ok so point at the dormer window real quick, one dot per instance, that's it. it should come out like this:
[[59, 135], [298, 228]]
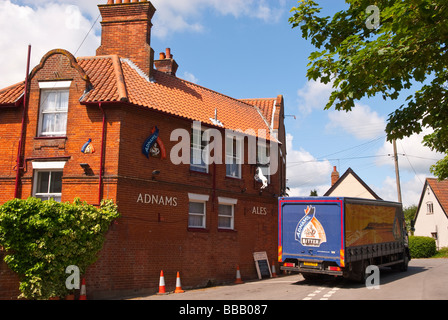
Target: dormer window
[[53, 108]]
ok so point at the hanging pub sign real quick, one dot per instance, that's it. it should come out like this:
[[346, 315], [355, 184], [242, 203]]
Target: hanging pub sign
[[154, 146]]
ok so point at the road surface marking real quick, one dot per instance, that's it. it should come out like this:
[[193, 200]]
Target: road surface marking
[[326, 296]]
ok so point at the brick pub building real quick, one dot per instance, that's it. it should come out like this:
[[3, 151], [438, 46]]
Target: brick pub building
[[104, 127]]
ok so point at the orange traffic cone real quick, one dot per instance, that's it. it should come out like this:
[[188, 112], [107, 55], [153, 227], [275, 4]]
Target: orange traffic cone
[[274, 273], [238, 276], [178, 285], [162, 289], [83, 293]]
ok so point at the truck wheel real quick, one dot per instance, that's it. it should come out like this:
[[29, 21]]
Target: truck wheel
[[404, 265]]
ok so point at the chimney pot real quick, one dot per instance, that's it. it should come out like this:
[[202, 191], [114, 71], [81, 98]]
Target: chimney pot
[[334, 176], [168, 53], [166, 63]]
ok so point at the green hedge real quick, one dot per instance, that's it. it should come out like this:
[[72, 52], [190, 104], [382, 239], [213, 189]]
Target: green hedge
[[422, 247], [43, 238]]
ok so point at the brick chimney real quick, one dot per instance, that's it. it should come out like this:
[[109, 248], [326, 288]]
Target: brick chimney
[[334, 176], [166, 63], [126, 31]]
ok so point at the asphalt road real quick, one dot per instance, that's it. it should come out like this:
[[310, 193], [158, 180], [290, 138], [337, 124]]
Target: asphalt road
[[426, 279]]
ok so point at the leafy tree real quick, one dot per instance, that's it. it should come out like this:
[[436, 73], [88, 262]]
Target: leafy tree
[[43, 238], [408, 48], [409, 215], [313, 193]]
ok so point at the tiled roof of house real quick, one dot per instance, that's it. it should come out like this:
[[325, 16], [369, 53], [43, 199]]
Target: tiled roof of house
[[114, 79], [12, 95], [440, 189], [269, 109]]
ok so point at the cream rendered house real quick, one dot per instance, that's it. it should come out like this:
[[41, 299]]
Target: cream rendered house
[[431, 219], [349, 185]]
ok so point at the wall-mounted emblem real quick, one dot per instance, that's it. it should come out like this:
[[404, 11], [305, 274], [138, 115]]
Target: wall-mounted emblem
[[309, 231], [88, 147], [154, 146]]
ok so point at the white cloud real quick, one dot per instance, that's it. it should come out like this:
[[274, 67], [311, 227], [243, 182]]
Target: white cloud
[[304, 173], [410, 190], [190, 77], [23, 25], [414, 157], [314, 95], [181, 16], [48, 25], [361, 122]]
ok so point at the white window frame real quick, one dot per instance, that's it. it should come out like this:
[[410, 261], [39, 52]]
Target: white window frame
[[234, 158], [227, 202], [198, 198], [52, 87], [46, 166]]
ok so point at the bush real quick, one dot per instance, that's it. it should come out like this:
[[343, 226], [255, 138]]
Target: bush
[[43, 238], [422, 247]]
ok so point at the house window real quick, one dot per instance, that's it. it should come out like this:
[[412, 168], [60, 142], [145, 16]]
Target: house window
[[197, 162], [48, 180], [226, 213], [233, 157], [196, 215], [429, 208], [197, 210], [53, 108], [48, 185]]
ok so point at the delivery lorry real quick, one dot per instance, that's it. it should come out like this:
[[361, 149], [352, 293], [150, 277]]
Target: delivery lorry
[[340, 236]]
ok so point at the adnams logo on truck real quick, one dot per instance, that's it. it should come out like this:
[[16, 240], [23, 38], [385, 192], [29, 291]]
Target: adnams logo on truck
[[309, 231]]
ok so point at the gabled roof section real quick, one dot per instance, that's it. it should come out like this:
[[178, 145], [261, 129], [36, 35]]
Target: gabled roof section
[[440, 190], [12, 96], [114, 79], [270, 108], [106, 77], [344, 176]]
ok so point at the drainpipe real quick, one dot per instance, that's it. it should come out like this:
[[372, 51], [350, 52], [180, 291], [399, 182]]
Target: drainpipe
[[100, 184], [19, 164]]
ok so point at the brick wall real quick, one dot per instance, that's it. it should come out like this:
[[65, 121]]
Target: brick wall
[[152, 237], [149, 237]]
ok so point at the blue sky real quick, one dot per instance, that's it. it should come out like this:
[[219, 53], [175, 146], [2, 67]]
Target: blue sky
[[244, 49]]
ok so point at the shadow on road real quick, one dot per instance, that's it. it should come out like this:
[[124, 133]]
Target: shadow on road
[[388, 275]]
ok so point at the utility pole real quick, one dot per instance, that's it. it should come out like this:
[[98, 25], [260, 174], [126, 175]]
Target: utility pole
[[397, 171]]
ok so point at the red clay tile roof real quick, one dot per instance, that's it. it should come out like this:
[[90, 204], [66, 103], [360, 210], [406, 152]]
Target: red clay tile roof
[[12, 95], [167, 94], [440, 189], [265, 105], [115, 79]]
